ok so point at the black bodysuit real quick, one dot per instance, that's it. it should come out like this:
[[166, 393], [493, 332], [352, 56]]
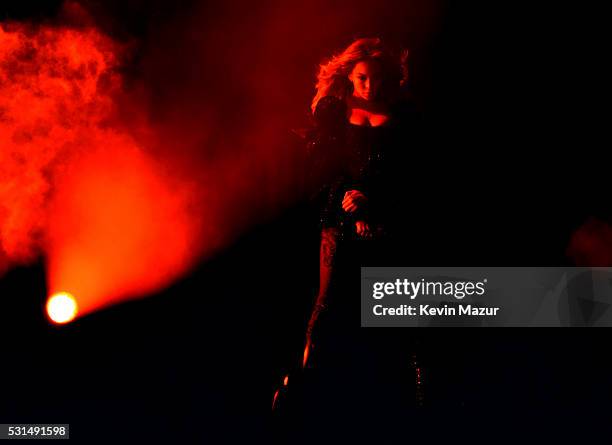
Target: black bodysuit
[[352, 368], [365, 158]]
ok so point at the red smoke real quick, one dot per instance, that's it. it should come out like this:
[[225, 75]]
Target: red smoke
[[55, 86], [112, 221]]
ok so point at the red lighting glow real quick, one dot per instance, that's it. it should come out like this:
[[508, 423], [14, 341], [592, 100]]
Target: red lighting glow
[[112, 221]]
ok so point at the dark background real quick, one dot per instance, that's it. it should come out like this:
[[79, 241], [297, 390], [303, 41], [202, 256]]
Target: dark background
[[512, 166]]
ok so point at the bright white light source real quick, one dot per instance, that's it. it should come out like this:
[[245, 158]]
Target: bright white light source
[[61, 307]]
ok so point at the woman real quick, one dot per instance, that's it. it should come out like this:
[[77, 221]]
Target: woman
[[364, 125], [363, 132]]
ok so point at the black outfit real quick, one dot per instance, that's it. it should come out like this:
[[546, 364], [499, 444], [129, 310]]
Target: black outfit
[[369, 159], [356, 373]]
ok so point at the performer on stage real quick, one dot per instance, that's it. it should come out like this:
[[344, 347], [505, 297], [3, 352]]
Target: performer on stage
[[365, 131], [364, 136]]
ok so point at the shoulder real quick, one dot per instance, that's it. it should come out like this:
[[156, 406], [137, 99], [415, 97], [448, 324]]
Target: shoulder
[[330, 112], [327, 102]]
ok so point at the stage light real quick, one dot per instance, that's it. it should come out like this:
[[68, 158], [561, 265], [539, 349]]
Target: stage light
[[61, 307]]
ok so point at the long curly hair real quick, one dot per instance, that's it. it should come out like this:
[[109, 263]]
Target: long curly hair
[[333, 80]]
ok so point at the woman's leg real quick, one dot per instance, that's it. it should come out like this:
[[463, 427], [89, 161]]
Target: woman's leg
[[327, 258]]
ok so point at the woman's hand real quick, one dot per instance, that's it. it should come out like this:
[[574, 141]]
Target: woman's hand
[[353, 200], [363, 229]]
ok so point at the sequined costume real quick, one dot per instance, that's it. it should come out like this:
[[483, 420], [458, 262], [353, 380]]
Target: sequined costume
[[365, 158], [351, 369]]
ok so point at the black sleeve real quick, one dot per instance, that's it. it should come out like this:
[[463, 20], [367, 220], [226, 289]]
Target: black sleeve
[[325, 147], [330, 116]]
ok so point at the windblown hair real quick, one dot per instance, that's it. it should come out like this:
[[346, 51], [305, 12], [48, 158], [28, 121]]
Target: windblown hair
[[333, 80]]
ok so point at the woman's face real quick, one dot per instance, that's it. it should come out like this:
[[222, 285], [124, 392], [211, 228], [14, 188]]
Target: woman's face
[[366, 78]]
